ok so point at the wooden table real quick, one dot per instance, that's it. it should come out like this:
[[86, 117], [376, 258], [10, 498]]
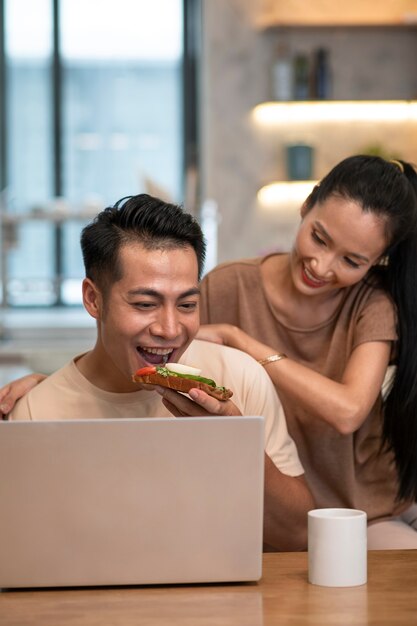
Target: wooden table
[[283, 596]]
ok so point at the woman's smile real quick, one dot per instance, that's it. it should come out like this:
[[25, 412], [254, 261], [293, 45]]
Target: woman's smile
[[310, 279]]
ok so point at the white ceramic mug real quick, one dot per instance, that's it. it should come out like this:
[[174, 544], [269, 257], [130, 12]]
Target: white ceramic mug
[[337, 547]]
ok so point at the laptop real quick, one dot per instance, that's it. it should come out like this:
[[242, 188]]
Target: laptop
[[131, 501]]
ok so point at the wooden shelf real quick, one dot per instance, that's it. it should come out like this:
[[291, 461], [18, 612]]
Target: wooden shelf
[[272, 13]]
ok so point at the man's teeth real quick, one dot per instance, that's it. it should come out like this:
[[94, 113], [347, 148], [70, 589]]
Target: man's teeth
[[164, 353], [160, 351]]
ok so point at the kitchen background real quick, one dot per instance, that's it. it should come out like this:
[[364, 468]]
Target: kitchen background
[[247, 52], [372, 60]]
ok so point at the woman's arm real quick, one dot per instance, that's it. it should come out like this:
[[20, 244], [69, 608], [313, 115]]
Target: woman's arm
[[10, 393], [344, 405], [287, 500]]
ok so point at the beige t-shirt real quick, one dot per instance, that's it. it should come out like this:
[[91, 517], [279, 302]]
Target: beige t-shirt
[[342, 470], [67, 394]]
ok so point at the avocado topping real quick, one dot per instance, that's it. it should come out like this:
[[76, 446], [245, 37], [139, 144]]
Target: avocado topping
[[164, 371]]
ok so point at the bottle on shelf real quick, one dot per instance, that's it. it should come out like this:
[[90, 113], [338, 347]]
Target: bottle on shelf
[[321, 75], [301, 77], [282, 75]]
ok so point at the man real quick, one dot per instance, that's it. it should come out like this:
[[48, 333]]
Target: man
[[143, 260]]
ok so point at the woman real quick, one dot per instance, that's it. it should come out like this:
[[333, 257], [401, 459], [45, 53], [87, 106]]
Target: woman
[[326, 320]]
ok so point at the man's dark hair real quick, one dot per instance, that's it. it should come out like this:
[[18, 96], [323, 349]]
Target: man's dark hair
[[155, 224]]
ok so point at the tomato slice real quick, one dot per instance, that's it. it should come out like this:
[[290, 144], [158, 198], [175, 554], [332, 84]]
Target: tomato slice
[[145, 371]]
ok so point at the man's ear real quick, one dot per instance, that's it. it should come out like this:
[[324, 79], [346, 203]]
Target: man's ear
[[92, 298]]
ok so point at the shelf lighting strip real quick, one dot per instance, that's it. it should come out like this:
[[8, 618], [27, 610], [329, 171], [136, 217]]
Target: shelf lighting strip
[[278, 113], [285, 195]]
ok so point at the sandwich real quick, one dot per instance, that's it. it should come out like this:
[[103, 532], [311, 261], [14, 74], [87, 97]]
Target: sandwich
[[180, 378]]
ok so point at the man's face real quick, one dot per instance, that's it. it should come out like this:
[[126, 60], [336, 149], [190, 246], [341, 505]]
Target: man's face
[[150, 315]]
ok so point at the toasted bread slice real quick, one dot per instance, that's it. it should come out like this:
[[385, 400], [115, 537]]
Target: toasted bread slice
[[183, 384]]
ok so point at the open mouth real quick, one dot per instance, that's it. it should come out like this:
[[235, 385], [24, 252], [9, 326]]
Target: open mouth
[[155, 356], [312, 280]]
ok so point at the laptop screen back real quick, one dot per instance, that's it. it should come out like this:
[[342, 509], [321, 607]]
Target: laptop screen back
[[141, 501]]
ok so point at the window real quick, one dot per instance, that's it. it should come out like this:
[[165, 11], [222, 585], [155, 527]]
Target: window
[[91, 110]]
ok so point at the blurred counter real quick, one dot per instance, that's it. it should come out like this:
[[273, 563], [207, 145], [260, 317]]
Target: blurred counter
[[42, 340]]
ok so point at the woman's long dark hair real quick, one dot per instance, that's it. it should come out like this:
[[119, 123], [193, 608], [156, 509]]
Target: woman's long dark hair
[[389, 189]]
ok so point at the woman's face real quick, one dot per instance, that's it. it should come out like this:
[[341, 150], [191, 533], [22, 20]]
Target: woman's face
[[336, 245]]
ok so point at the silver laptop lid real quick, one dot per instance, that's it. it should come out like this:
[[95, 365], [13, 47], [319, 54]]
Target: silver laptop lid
[[131, 501]]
